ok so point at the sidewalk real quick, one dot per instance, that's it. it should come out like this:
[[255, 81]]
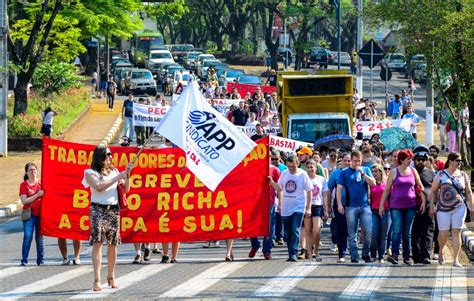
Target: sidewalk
[[91, 129]]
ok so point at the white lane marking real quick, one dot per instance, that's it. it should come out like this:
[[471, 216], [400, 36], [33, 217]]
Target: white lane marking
[[29, 289], [285, 281], [369, 280], [123, 282], [203, 281], [12, 271], [450, 284]]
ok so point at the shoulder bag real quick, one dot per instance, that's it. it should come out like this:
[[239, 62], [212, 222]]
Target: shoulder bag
[[25, 214], [461, 192]]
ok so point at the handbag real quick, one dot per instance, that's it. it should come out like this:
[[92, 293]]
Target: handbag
[[122, 195], [25, 214]]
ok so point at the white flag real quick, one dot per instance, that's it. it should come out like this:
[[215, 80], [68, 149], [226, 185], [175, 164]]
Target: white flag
[[213, 145]]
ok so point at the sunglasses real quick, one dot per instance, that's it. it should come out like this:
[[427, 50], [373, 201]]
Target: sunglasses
[[458, 160], [274, 159], [387, 169]]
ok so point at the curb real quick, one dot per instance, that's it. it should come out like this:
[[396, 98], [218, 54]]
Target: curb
[[467, 237], [15, 209]]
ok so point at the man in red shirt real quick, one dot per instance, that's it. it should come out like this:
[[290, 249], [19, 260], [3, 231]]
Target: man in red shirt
[[268, 240]]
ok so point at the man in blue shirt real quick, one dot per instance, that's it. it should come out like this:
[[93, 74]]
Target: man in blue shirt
[[355, 180], [339, 219]]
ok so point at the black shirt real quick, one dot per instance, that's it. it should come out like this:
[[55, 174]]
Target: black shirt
[[257, 137], [272, 79], [240, 117], [427, 176]]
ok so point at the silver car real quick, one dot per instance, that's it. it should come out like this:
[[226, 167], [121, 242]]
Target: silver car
[[142, 82]]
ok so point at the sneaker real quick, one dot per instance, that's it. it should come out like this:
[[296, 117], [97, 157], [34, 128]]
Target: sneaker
[[293, 259], [367, 259], [23, 264], [173, 261], [457, 264], [381, 261], [267, 256], [333, 247], [66, 261], [280, 242], [302, 254], [252, 252], [165, 259], [318, 258], [341, 260], [426, 261], [156, 251], [408, 261], [392, 260], [147, 255], [76, 261], [137, 260], [435, 256], [354, 261]]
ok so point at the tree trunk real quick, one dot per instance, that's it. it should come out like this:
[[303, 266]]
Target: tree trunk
[[21, 94]]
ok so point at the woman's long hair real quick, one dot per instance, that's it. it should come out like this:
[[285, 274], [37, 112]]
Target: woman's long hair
[[98, 160], [451, 157], [381, 170], [27, 166]]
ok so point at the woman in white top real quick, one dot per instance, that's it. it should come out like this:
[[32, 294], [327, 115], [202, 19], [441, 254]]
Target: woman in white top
[[47, 116], [102, 178]]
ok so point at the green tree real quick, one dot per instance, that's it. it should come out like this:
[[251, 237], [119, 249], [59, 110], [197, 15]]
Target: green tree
[[444, 32], [167, 16], [48, 30], [53, 78]]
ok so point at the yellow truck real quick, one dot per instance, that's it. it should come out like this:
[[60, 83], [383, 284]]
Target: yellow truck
[[315, 106]]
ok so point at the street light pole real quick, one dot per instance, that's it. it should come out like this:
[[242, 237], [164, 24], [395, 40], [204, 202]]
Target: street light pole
[[3, 79], [284, 45], [338, 17], [360, 34]]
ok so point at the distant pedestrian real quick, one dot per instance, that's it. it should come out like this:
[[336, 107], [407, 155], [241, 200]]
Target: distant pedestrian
[[47, 127], [94, 82], [62, 244], [103, 84], [127, 114], [179, 80], [30, 196], [111, 92]]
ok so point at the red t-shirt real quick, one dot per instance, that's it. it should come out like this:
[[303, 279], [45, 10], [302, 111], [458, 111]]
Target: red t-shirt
[[275, 174], [30, 190]]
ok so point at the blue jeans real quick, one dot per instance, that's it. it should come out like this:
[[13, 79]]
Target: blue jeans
[[29, 227], [341, 234], [128, 128], [279, 233], [267, 240], [380, 227], [353, 215], [292, 226], [402, 222]]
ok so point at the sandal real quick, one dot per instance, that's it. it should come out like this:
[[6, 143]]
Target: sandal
[[111, 282]]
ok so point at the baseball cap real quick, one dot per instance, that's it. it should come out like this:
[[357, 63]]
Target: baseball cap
[[305, 151]]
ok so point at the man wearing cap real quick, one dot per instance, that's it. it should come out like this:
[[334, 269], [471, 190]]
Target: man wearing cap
[[355, 180], [304, 154], [423, 225]]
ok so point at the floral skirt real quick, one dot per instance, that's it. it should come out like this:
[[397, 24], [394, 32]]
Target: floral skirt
[[104, 225]]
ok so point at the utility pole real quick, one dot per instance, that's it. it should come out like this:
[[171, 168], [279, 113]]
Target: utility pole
[[284, 45], [338, 17], [360, 34], [3, 79]]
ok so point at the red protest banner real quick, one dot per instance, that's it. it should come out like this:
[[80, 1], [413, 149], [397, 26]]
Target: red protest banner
[[166, 201], [244, 88]]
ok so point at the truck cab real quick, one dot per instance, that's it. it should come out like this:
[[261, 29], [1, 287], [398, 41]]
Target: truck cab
[[315, 106]]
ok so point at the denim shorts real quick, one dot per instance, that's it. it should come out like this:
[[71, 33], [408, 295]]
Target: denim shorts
[[317, 211]]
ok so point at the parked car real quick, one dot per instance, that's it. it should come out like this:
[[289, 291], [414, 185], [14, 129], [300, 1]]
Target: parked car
[[248, 79], [157, 58], [202, 68], [122, 62], [201, 57], [318, 56], [142, 82], [189, 59], [414, 60], [345, 58], [225, 76], [179, 51], [396, 61]]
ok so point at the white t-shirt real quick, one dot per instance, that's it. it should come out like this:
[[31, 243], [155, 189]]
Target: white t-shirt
[[106, 197], [320, 186], [48, 119], [294, 188], [414, 119]]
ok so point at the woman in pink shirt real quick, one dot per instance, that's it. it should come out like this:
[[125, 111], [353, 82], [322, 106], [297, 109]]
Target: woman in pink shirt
[[380, 225]]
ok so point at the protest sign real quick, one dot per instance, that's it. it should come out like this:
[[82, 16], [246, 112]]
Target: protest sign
[[368, 128], [213, 145], [244, 88], [166, 201], [286, 145], [144, 115], [251, 130]]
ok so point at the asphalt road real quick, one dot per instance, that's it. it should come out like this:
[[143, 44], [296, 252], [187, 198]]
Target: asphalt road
[[203, 273]]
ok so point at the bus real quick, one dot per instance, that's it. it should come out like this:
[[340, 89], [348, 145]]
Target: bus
[[141, 44]]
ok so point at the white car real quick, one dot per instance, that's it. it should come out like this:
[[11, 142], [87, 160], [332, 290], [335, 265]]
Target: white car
[[189, 59], [156, 58], [202, 68], [202, 57]]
